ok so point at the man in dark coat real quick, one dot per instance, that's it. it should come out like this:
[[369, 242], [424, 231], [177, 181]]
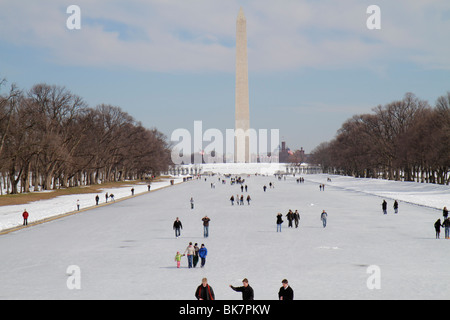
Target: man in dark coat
[[296, 218], [395, 206], [247, 291], [177, 226], [437, 227], [204, 291], [290, 217], [286, 292], [384, 206]]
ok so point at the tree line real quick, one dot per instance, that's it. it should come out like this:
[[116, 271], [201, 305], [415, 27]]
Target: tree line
[[51, 138], [405, 140]]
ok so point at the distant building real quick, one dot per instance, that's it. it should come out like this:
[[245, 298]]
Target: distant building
[[288, 156]]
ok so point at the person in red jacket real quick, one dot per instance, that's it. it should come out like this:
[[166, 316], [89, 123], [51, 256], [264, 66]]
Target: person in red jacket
[[25, 217]]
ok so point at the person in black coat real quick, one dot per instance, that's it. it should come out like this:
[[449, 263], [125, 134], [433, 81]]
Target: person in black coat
[[286, 292], [290, 217], [296, 218], [177, 226], [384, 206], [204, 291], [437, 227], [247, 291], [395, 206], [279, 222]]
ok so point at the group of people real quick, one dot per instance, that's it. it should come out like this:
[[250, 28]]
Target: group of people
[[205, 292], [295, 217], [240, 200], [445, 224], [291, 217], [193, 253]]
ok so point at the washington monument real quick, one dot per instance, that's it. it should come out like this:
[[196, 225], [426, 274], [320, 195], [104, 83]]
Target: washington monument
[[242, 114]]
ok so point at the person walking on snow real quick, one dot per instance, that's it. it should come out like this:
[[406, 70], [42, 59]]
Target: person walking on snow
[[190, 254], [195, 259], [384, 207], [177, 226], [232, 200], [437, 227], [395, 206], [290, 217], [192, 203], [206, 221], [296, 218], [202, 253], [25, 217], [323, 217], [446, 225], [178, 258], [279, 221]]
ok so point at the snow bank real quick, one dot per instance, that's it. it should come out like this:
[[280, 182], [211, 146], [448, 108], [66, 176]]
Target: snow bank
[[423, 194]]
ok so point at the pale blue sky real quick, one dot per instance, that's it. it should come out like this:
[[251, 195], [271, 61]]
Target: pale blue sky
[[312, 64]]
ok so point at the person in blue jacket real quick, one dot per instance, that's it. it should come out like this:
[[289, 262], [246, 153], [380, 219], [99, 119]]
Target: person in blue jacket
[[203, 252]]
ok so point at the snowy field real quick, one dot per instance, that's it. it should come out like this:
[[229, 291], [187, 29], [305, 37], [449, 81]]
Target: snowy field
[[126, 250]]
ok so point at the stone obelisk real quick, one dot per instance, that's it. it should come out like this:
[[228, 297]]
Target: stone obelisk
[[242, 114]]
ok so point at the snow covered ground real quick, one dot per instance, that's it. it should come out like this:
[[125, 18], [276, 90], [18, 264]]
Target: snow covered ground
[[11, 216], [126, 250]]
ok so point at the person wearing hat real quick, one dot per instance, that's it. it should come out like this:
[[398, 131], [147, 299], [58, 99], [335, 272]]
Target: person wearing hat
[[247, 291], [285, 292], [178, 258]]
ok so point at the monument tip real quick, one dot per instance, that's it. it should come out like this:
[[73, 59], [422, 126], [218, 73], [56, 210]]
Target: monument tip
[[241, 15]]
